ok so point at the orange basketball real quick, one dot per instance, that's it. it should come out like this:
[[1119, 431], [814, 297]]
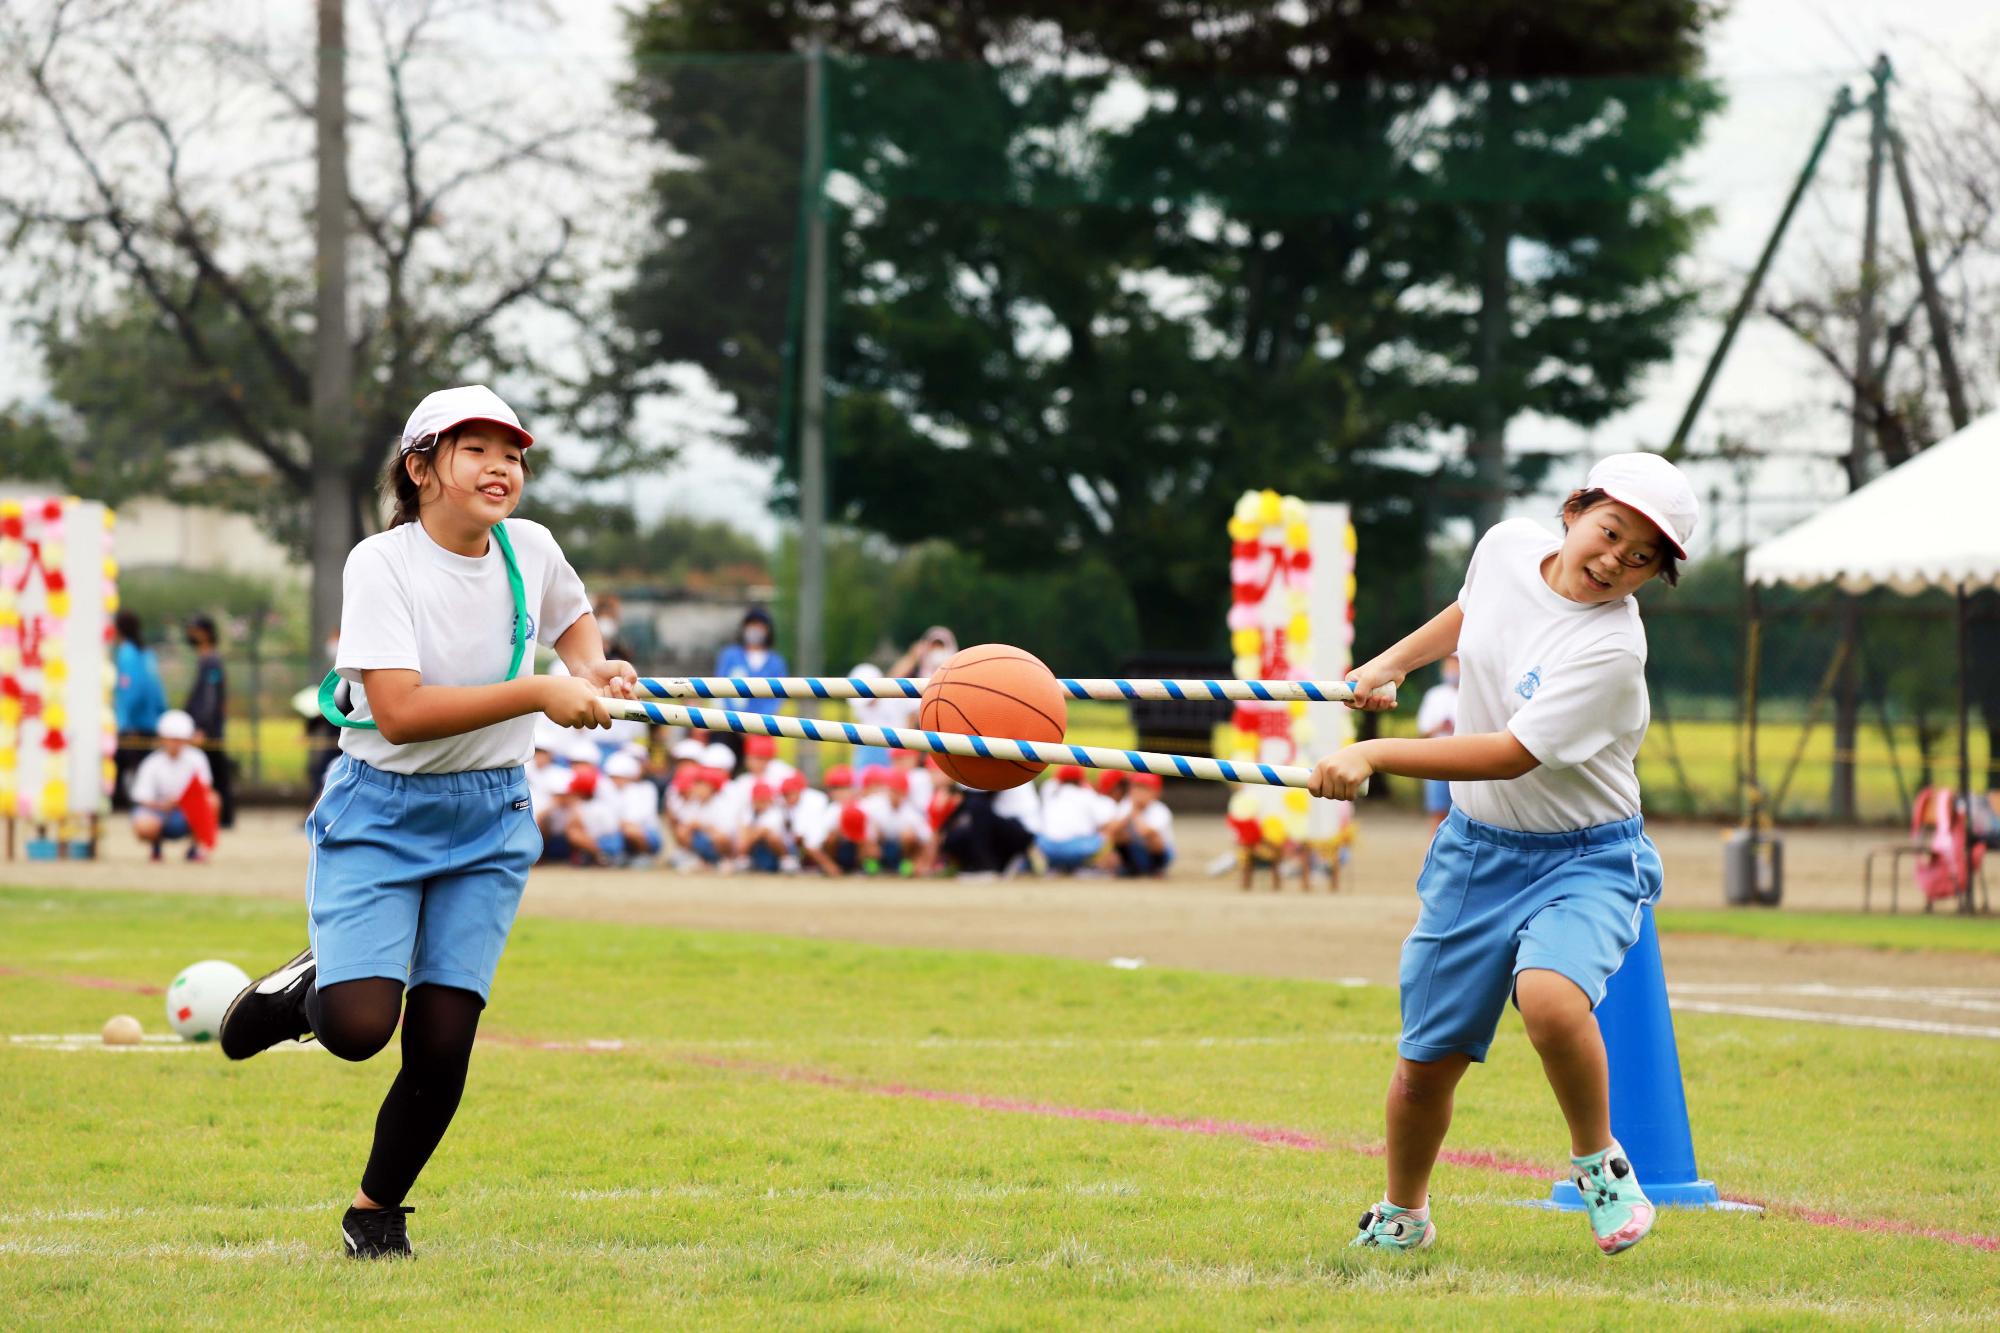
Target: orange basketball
[[993, 689]]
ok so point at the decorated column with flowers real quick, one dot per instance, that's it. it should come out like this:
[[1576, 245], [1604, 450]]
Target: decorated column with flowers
[[1291, 617], [58, 590]]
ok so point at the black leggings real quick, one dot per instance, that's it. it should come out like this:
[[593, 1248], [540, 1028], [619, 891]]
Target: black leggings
[[355, 1019]]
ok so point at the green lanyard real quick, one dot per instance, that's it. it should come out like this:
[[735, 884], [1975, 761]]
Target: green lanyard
[[330, 710]]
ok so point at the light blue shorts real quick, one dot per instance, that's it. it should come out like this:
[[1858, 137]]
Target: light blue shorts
[[417, 876], [1496, 902]]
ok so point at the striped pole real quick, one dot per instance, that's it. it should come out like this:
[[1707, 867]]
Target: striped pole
[[894, 687], [974, 747]]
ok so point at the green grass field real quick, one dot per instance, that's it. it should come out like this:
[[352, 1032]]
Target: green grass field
[[808, 1134], [1943, 931]]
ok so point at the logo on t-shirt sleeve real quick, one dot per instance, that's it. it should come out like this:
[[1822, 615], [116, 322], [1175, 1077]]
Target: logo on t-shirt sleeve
[[1528, 684]]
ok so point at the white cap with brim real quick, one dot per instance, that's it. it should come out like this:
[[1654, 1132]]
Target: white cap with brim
[[448, 409], [718, 755], [1654, 487], [622, 765], [688, 749], [583, 751], [174, 725]]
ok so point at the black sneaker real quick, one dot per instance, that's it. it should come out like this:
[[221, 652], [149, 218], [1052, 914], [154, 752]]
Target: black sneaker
[[269, 1010], [376, 1233]]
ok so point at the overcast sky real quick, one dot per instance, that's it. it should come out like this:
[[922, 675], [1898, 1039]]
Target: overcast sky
[[1780, 61]]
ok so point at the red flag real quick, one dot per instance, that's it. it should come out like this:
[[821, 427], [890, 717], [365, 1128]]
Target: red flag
[[199, 808]]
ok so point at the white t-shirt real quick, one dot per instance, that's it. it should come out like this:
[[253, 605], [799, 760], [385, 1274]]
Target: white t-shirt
[[1155, 817], [1071, 810], [1022, 804], [810, 819], [639, 803], [1437, 715], [1568, 679], [546, 782], [891, 817], [409, 604], [161, 779]]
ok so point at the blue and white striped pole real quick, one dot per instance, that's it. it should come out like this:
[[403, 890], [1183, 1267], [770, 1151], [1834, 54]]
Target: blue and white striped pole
[[895, 687], [972, 747]]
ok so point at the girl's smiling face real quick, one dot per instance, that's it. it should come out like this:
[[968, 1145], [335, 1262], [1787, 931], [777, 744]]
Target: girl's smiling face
[[478, 476], [1608, 552]]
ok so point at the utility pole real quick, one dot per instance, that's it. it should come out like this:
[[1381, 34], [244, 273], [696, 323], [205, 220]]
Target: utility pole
[[1847, 689], [333, 362], [812, 387]]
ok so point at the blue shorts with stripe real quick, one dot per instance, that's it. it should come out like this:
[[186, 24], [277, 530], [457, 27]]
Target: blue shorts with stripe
[[417, 876], [1496, 902]]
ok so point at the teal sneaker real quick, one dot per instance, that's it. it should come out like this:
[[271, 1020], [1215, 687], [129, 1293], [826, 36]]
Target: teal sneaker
[[1620, 1213], [1387, 1227]]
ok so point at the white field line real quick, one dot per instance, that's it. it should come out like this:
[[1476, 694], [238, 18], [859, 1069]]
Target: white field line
[[1837, 1019], [1975, 999]]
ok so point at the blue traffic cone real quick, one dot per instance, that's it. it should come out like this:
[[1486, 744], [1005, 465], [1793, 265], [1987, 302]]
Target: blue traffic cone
[[1649, 1114]]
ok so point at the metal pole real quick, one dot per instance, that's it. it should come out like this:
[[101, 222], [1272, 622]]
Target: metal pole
[[1954, 385], [333, 361], [812, 390], [1843, 102], [1965, 746]]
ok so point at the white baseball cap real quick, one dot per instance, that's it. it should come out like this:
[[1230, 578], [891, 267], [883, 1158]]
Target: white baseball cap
[[622, 765], [689, 749], [582, 750], [450, 408], [1654, 487], [718, 755], [174, 725]]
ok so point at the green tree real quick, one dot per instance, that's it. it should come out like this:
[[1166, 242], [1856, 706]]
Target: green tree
[[1057, 337]]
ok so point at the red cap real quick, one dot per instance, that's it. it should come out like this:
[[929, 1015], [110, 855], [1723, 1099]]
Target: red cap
[[793, 782], [583, 781], [840, 775], [1069, 773], [876, 775], [754, 746], [1111, 779], [1151, 780], [853, 823], [714, 777], [760, 791], [898, 781], [685, 778]]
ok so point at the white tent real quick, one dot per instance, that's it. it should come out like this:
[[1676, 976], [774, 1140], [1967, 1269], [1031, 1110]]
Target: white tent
[[1934, 522]]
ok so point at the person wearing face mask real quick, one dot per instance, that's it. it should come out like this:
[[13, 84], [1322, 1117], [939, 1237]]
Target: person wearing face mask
[[752, 653], [1437, 715]]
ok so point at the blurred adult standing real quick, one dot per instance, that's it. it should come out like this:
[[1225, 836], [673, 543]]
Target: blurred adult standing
[[208, 703], [137, 700], [929, 651], [753, 652]]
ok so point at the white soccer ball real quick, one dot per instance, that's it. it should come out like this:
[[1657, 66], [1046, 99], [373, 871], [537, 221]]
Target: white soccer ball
[[200, 996]]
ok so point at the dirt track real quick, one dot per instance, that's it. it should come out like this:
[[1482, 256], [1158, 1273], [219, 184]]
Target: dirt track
[[1189, 920]]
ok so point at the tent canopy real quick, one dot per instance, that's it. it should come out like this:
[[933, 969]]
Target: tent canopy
[[1934, 522]]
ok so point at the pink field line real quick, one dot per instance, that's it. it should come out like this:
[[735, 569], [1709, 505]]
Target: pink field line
[[1287, 1138]]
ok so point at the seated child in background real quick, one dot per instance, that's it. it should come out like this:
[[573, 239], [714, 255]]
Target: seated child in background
[[701, 827], [1143, 829], [902, 827], [593, 820], [807, 814], [760, 764], [162, 779], [850, 842], [1073, 820], [638, 804], [762, 839]]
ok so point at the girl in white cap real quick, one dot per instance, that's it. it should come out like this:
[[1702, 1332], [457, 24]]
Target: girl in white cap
[[424, 833], [161, 782], [1536, 881]]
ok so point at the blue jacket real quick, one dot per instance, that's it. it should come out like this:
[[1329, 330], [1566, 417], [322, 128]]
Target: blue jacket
[[138, 698], [732, 661]]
